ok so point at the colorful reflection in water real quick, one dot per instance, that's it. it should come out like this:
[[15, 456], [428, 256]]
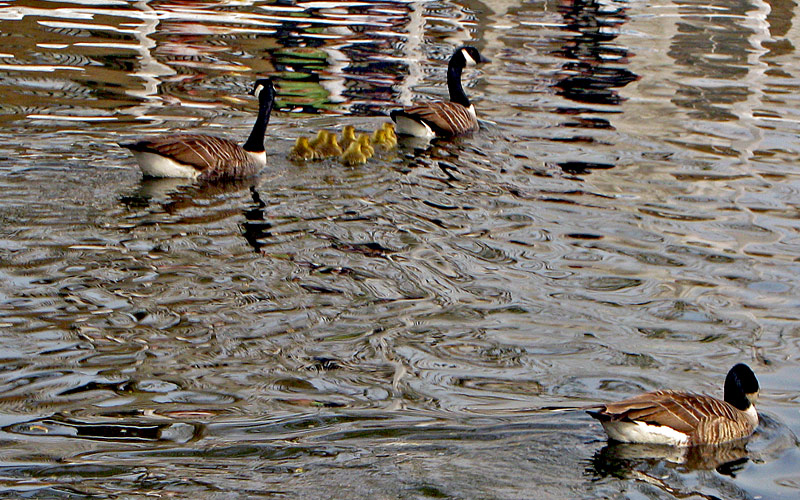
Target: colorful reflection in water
[[624, 221]]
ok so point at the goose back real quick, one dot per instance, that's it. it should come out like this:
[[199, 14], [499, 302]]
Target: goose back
[[443, 118], [209, 157], [699, 418]]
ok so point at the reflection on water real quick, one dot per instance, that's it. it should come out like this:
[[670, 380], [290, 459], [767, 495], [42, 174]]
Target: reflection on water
[[625, 221], [684, 472], [618, 459], [594, 65]]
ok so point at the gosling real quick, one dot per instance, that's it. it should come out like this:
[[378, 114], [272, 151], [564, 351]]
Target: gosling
[[329, 148], [354, 155], [302, 150], [366, 147], [348, 136]]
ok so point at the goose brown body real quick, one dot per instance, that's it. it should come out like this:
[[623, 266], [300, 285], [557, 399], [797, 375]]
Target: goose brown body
[[703, 419], [684, 418], [206, 157], [443, 118], [211, 158]]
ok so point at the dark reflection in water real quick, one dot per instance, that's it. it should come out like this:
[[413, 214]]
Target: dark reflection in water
[[579, 168], [593, 73], [174, 196], [255, 227], [665, 470], [620, 459], [594, 68], [115, 428]]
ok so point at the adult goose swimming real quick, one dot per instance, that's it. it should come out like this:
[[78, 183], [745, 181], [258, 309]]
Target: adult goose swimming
[[443, 118], [684, 418], [205, 157]]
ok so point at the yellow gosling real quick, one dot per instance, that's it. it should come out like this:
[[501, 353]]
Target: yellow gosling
[[366, 147], [301, 151], [319, 140], [391, 136], [379, 139], [378, 136], [348, 136], [354, 155], [329, 148]]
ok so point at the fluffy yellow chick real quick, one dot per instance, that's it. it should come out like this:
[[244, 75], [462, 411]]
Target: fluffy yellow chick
[[301, 151], [319, 140], [328, 148], [348, 136], [354, 155], [379, 139], [391, 136], [378, 136], [366, 147]]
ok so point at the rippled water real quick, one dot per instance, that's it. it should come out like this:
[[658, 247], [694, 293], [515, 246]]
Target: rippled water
[[626, 220]]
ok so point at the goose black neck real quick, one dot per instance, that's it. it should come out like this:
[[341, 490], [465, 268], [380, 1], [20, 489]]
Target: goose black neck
[[454, 69], [734, 393], [255, 143]]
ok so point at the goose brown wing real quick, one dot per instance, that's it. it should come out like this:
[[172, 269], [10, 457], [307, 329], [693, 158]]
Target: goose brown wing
[[202, 152], [444, 117], [678, 410]]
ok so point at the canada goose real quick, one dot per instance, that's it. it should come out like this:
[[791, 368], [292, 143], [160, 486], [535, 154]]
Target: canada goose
[[354, 154], [329, 147], [348, 136], [301, 151], [205, 157], [366, 146], [443, 118], [683, 418]]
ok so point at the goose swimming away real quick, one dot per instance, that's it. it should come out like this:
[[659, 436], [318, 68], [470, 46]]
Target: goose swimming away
[[443, 118], [684, 418], [205, 157]]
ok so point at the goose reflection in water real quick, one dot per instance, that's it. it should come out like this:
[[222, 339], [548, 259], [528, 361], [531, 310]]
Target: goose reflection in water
[[587, 76], [629, 460], [171, 195], [591, 74]]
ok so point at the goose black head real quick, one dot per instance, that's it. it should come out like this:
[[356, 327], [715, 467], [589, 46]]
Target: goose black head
[[263, 89], [471, 55], [741, 387]]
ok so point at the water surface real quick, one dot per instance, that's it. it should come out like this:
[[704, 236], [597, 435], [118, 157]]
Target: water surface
[[626, 220]]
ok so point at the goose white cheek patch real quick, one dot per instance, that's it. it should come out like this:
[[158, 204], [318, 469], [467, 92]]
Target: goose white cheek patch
[[468, 58]]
